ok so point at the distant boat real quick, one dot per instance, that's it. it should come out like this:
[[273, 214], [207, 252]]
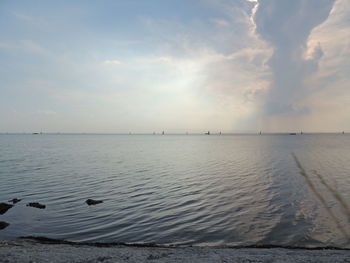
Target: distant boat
[[292, 133], [260, 133], [162, 132], [35, 133], [207, 133], [301, 132]]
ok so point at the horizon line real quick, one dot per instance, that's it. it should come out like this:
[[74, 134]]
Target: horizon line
[[175, 133]]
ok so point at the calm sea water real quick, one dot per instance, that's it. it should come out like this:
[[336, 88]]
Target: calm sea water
[[178, 189]]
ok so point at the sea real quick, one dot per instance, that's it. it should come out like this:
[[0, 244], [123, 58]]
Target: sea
[[199, 190]]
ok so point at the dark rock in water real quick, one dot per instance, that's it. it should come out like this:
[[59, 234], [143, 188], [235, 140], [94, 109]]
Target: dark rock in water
[[37, 205], [3, 225], [4, 207], [93, 202], [15, 200]]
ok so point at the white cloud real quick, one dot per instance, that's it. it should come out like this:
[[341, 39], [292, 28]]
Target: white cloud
[[112, 62], [34, 20], [220, 22], [24, 17]]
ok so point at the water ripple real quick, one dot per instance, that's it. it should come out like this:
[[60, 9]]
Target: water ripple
[[198, 190]]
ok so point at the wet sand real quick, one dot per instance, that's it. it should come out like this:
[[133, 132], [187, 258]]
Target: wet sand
[[30, 250]]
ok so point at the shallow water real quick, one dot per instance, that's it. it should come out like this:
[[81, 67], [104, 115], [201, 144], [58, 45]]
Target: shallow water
[[179, 189]]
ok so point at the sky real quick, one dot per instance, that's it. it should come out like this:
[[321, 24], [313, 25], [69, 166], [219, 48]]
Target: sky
[[179, 66]]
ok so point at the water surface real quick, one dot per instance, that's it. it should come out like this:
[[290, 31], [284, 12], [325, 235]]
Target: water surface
[[179, 189]]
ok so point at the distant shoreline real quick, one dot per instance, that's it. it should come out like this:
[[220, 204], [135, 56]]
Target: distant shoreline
[[182, 134]]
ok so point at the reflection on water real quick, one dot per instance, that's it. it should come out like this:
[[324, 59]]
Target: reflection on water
[[178, 189], [320, 197]]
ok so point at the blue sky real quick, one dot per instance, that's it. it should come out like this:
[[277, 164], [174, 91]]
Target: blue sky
[[144, 66]]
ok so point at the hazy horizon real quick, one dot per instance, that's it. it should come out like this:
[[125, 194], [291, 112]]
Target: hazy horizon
[[292, 132], [178, 66]]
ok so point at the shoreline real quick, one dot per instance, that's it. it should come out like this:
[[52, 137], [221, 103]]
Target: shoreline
[[40, 249], [54, 241]]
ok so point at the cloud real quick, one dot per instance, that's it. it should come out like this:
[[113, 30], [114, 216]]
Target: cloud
[[334, 36], [112, 62], [220, 22], [30, 19], [221, 63], [286, 26], [28, 46], [26, 18], [230, 59]]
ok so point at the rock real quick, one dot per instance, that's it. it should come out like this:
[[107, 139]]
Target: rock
[[3, 225], [4, 207], [15, 200], [36, 205], [93, 202]]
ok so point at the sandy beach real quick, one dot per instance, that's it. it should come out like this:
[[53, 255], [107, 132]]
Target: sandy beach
[[28, 250]]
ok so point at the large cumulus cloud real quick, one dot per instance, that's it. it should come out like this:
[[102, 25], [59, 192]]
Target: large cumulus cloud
[[286, 25]]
